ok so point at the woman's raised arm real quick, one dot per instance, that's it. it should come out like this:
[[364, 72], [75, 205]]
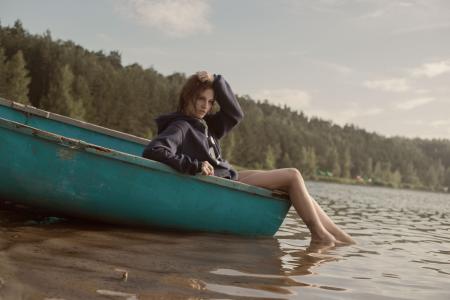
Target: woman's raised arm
[[230, 113]]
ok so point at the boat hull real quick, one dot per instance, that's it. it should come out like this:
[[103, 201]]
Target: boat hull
[[74, 178]]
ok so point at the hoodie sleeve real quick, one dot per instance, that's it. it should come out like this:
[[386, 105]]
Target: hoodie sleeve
[[164, 148], [230, 113]]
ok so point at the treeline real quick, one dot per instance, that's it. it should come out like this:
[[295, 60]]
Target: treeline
[[62, 77]]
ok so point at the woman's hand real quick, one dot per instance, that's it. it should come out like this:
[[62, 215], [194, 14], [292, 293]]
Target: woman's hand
[[204, 76], [207, 169]]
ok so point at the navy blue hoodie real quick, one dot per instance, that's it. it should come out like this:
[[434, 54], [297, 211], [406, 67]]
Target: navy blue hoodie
[[184, 142]]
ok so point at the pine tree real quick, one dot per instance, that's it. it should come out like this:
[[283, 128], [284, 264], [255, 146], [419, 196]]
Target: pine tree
[[16, 79], [2, 72], [228, 144], [82, 98], [346, 164], [431, 178], [369, 167], [446, 180], [440, 170], [60, 98], [309, 162], [410, 175], [396, 179], [434, 175], [270, 161], [336, 170], [386, 173], [285, 161], [40, 65], [377, 172], [332, 162]]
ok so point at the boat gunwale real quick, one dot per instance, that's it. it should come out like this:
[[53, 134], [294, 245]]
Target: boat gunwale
[[29, 109], [80, 145]]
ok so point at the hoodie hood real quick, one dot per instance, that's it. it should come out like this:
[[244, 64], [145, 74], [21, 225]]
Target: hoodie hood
[[165, 120]]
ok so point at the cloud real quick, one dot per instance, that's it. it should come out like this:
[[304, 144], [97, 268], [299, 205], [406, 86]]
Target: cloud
[[351, 113], [440, 123], [389, 85], [338, 68], [431, 70], [384, 9], [414, 122], [372, 111], [346, 115], [411, 104], [104, 37], [426, 27], [422, 91], [373, 14], [294, 98], [176, 18]]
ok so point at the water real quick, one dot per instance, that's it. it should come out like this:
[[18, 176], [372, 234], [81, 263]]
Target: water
[[402, 252]]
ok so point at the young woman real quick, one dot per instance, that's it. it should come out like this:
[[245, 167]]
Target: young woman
[[188, 142]]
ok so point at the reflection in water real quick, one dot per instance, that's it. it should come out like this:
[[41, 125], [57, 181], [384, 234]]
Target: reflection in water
[[402, 253], [293, 261], [80, 261], [117, 294]]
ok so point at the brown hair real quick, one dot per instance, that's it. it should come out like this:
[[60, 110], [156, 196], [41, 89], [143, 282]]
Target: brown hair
[[190, 91]]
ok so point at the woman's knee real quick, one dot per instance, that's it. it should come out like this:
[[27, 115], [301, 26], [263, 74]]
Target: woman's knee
[[294, 174]]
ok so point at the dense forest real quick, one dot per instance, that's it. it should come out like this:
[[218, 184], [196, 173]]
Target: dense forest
[[63, 77]]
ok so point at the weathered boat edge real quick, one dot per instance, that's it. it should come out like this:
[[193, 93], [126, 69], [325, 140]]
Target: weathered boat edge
[[29, 109]]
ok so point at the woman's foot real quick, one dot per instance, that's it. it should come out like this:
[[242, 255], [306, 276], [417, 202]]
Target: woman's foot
[[343, 237], [319, 248], [324, 238]]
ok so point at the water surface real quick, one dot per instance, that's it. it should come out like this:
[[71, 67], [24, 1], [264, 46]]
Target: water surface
[[402, 252]]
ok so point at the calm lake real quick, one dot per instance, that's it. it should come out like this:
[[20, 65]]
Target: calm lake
[[402, 252]]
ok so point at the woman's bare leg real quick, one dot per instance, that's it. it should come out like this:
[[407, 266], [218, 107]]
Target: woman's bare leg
[[291, 181], [329, 225], [245, 173], [332, 228]]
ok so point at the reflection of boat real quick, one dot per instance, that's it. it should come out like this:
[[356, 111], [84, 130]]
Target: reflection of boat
[[83, 170], [198, 265]]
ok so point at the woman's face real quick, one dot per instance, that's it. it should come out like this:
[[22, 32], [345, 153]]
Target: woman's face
[[202, 105]]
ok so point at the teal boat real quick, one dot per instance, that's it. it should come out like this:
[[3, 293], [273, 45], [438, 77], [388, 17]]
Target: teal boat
[[68, 127], [78, 169]]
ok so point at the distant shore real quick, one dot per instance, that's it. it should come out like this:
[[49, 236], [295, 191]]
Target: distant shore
[[354, 181], [363, 182]]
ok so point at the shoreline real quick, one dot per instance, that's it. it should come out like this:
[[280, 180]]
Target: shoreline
[[350, 181], [354, 181]]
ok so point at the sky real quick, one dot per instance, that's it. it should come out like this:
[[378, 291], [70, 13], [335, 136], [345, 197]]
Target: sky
[[382, 65]]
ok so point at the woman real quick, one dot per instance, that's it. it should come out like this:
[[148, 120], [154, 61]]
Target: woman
[[188, 142]]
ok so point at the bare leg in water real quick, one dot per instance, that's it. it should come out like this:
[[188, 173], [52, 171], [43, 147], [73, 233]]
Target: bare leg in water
[[322, 228]]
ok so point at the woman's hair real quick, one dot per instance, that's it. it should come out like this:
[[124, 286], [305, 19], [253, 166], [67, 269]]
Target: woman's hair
[[190, 91]]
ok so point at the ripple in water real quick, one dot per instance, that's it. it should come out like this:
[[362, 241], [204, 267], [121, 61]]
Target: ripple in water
[[402, 252]]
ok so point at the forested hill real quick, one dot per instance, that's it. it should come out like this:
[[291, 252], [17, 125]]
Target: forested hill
[[62, 77]]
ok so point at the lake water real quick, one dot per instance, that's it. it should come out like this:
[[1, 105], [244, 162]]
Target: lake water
[[402, 252]]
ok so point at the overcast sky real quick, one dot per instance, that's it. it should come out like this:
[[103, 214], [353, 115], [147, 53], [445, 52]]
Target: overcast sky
[[383, 65]]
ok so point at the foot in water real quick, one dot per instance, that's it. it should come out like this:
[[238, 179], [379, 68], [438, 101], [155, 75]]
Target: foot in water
[[325, 238], [338, 239], [343, 238]]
